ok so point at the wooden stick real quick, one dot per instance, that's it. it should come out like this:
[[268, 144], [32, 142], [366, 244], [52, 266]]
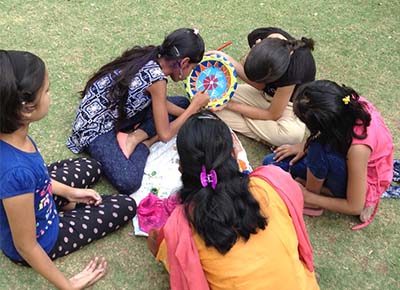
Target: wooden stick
[[226, 44]]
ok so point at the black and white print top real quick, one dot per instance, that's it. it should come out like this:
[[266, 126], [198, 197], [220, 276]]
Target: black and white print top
[[97, 114]]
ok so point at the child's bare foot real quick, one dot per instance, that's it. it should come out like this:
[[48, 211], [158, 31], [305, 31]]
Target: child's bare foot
[[150, 141], [128, 142], [134, 139], [152, 242], [367, 213]]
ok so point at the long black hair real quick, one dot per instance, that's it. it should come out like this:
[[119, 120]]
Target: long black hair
[[181, 43], [22, 75], [228, 212], [330, 112], [269, 59]]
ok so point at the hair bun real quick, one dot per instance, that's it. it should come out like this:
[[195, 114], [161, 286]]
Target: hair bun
[[160, 50], [308, 42]]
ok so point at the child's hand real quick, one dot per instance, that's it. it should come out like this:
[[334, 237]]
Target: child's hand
[[217, 109], [286, 150], [223, 107], [93, 272], [301, 184], [201, 99], [307, 195], [211, 52], [85, 195], [236, 146]]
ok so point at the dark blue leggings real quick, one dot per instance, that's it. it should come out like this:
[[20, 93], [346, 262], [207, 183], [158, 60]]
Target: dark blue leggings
[[126, 174], [335, 168]]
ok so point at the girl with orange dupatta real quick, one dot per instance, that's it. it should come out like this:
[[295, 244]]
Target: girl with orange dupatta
[[231, 230]]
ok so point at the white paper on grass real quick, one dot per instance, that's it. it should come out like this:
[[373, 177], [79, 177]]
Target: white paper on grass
[[161, 175]]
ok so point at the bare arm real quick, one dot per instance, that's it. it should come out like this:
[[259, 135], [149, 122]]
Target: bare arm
[[274, 112], [23, 230], [174, 109], [166, 130], [357, 164]]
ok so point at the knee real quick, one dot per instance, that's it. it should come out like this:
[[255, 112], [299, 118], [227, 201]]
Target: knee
[[93, 166], [184, 103], [269, 159], [284, 164], [126, 183], [180, 101], [123, 175], [127, 205]]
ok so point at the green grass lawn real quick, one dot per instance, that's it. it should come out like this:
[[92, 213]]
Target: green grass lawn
[[357, 43]]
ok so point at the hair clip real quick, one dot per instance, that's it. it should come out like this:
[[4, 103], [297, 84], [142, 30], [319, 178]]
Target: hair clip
[[346, 100], [207, 179], [178, 54], [196, 31], [315, 136], [207, 116]]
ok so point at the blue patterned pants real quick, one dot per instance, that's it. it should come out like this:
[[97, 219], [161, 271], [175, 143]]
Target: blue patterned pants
[[126, 174]]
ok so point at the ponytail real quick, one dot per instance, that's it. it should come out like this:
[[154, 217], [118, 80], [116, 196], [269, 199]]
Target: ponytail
[[268, 60], [357, 109], [294, 44], [123, 68], [331, 112], [223, 213]]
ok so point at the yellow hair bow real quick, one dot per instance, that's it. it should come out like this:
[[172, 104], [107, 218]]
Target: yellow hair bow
[[346, 100]]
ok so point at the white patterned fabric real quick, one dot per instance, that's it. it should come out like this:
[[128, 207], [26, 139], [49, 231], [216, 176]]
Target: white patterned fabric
[[97, 113]]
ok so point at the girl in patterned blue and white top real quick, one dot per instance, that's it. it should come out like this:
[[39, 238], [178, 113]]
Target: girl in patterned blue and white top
[[125, 106]]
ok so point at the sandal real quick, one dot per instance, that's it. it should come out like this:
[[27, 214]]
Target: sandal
[[313, 211]]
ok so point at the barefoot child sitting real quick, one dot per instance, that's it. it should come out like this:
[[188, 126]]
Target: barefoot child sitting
[[125, 106], [36, 228]]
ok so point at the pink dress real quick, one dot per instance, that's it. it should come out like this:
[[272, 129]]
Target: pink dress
[[380, 163]]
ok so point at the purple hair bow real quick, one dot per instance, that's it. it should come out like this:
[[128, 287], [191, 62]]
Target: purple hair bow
[[207, 179]]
